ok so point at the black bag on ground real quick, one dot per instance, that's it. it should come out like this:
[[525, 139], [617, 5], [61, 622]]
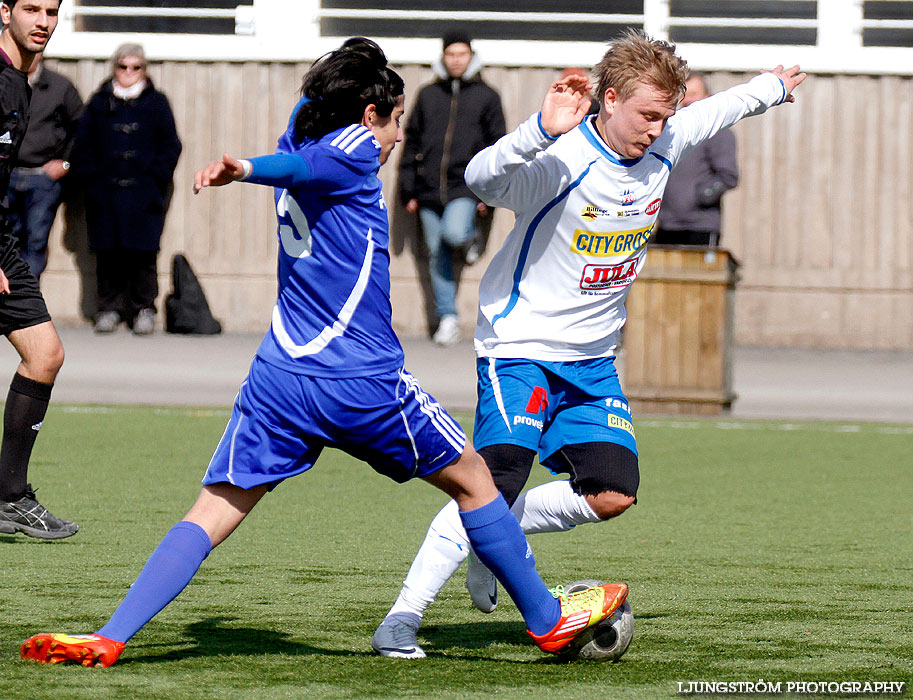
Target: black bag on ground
[[186, 308]]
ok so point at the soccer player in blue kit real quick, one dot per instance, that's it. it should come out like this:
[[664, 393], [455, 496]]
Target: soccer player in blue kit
[[329, 372], [586, 191]]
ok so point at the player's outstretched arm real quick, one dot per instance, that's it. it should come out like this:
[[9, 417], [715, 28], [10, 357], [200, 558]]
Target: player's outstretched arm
[[566, 104], [218, 172], [791, 79]]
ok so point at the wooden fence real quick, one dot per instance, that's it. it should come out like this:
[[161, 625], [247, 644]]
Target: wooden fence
[[822, 221]]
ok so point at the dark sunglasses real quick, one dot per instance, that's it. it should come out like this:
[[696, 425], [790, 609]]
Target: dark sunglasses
[[124, 66]]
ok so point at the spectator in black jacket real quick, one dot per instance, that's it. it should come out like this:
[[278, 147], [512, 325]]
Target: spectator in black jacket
[[454, 118], [125, 154], [37, 180], [691, 213]]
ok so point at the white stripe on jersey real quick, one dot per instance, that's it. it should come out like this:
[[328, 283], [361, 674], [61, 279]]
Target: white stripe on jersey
[[496, 388], [352, 137], [344, 134], [317, 344], [357, 142], [439, 417]]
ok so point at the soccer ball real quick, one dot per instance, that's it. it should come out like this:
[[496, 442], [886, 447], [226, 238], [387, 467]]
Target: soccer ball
[[606, 641]]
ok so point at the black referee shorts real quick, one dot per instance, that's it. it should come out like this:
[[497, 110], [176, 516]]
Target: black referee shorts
[[23, 306]]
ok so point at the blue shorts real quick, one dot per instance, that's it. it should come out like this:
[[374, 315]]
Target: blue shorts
[[281, 421], [544, 406]]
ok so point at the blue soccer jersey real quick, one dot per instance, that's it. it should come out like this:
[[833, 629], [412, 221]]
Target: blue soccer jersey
[[332, 317], [330, 370]]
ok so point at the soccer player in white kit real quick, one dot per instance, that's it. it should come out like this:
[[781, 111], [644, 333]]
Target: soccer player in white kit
[[586, 193]]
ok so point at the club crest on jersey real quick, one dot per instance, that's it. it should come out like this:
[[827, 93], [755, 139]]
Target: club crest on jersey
[[627, 199]]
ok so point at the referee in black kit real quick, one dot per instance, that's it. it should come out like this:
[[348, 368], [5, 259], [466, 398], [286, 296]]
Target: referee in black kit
[[24, 318]]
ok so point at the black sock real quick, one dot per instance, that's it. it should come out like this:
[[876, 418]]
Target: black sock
[[26, 404]]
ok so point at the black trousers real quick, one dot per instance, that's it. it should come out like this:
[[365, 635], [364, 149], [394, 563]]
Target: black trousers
[[127, 281]]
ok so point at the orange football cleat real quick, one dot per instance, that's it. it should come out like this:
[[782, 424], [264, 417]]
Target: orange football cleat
[[579, 611], [85, 649]]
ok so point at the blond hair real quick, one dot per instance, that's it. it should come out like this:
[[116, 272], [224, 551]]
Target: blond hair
[[635, 59]]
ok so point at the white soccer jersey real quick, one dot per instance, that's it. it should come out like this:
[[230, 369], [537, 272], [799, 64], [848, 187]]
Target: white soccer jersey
[[556, 289]]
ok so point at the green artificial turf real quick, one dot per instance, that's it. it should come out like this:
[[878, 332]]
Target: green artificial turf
[[757, 550]]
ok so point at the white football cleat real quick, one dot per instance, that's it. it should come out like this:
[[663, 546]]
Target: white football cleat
[[395, 638]]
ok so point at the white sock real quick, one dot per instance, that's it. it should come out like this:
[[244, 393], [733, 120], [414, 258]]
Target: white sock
[[552, 507], [444, 549]]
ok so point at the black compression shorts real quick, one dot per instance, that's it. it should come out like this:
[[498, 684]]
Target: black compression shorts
[[593, 467]]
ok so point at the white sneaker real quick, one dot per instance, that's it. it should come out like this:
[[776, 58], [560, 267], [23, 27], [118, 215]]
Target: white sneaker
[[106, 321], [481, 584], [473, 253], [448, 331], [144, 323], [395, 638]]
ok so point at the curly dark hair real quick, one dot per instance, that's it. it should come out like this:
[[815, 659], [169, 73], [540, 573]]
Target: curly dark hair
[[342, 83]]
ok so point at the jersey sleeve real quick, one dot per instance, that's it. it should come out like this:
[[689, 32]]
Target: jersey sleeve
[[314, 168], [701, 120], [279, 170], [514, 172]]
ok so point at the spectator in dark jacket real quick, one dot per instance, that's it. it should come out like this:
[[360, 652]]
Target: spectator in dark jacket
[[37, 180], [454, 118], [125, 154], [691, 211]]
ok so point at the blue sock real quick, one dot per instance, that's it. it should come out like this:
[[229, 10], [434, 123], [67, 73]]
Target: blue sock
[[498, 541], [166, 573]]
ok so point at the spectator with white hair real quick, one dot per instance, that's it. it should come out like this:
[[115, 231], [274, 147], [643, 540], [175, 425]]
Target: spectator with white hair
[[125, 154]]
